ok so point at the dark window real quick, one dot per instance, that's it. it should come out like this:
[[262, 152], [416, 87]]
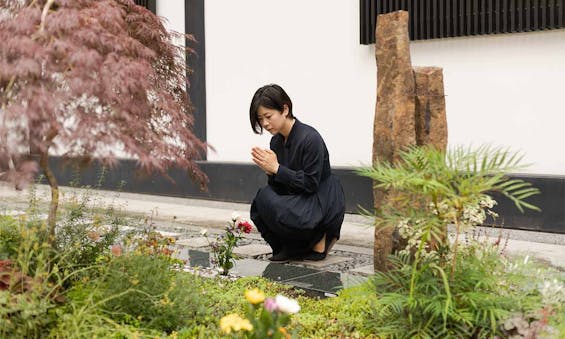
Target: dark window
[[432, 19], [149, 4]]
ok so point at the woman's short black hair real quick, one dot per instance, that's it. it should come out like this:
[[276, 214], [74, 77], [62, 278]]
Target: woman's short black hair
[[269, 96]]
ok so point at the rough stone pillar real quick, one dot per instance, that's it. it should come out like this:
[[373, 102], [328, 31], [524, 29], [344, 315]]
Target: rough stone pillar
[[394, 125], [431, 120]]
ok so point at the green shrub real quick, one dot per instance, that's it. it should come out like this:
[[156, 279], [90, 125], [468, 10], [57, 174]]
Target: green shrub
[[83, 317], [85, 232], [30, 282], [10, 237], [437, 288], [432, 303], [143, 290]]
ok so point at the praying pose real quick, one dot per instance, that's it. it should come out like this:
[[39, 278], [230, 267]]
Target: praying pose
[[300, 212]]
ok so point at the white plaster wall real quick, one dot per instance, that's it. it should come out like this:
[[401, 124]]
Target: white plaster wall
[[502, 89], [172, 11], [311, 48]]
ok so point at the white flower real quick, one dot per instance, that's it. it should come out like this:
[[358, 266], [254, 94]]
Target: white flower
[[553, 292], [203, 231], [287, 305], [235, 216]]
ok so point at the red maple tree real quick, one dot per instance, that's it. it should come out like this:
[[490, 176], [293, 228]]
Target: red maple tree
[[92, 79]]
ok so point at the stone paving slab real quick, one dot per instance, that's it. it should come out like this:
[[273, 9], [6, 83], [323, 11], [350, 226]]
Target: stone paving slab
[[252, 250], [250, 267], [330, 260], [353, 249], [170, 234], [364, 270], [193, 242]]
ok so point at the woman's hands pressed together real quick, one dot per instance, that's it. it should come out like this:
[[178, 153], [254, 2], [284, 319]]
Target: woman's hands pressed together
[[266, 159]]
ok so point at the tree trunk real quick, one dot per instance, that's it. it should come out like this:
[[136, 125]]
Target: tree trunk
[[54, 204]]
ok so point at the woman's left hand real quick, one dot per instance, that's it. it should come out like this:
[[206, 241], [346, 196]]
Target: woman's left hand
[[266, 159]]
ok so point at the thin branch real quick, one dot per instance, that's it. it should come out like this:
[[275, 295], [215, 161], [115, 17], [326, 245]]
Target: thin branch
[[44, 14]]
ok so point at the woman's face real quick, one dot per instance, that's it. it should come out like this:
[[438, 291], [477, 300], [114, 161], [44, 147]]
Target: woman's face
[[272, 120]]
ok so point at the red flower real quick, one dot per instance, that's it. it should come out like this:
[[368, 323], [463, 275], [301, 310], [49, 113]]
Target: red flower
[[245, 226]]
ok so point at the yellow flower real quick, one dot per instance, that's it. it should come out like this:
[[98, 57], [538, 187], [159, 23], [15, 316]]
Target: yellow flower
[[254, 296], [285, 334], [234, 322]]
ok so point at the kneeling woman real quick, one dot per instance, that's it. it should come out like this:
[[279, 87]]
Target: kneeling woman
[[300, 212]]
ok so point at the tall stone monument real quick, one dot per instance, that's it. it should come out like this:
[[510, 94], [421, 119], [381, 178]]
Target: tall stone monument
[[410, 110]]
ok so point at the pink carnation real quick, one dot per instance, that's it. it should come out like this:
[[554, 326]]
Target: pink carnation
[[270, 304]]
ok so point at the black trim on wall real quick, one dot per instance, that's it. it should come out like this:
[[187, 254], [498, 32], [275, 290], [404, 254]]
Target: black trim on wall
[[551, 201], [194, 24], [238, 182], [432, 19]]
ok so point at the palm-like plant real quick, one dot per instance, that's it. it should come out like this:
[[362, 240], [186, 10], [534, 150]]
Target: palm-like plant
[[447, 184], [429, 189]]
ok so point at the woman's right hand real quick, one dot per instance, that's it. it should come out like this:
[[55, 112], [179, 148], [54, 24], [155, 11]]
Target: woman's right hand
[[265, 159]]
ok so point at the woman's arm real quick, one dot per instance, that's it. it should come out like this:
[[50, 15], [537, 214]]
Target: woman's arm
[[307, 179]]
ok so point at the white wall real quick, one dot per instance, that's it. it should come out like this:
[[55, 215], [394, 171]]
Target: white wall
[[505, 90], [311, 48], [173, 13], [502, 89]]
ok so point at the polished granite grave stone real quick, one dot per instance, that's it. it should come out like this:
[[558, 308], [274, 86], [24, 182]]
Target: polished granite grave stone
[[198, 258], [284, 272], [193, 258], [315, 283], [324, 283]]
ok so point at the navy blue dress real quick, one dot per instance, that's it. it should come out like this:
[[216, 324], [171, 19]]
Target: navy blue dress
[[303, 200]]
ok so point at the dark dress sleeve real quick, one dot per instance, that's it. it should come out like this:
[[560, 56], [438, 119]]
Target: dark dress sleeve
[[307, 178]]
